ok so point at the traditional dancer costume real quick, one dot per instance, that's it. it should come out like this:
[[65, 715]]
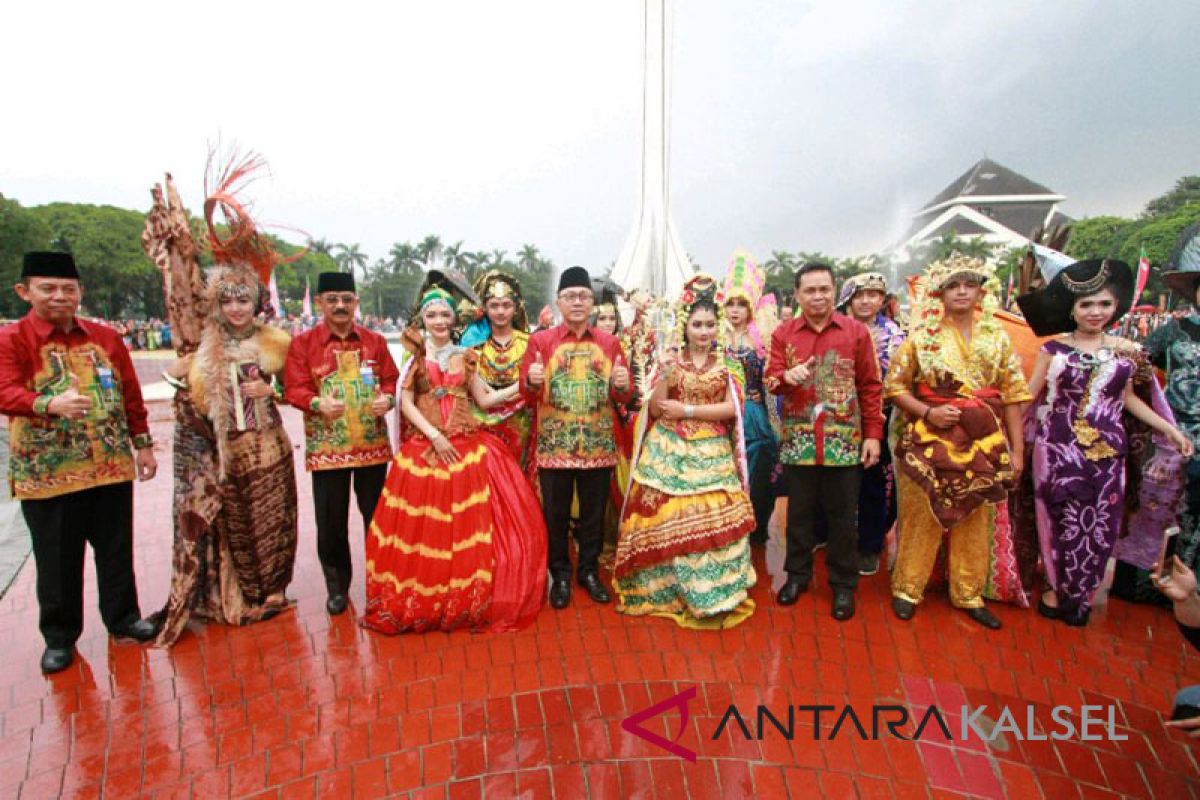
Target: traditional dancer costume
[[458, 545], [683, 548]]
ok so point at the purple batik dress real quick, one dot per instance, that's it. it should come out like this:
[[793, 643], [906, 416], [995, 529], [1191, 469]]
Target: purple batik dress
[[1079, 449]]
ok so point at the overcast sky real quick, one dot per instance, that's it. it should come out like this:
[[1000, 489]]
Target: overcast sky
[[795, 125]]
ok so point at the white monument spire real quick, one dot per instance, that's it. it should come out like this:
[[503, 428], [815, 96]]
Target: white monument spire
[[653, 257]]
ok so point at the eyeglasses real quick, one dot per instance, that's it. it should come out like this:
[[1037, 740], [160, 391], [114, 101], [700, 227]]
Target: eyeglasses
[[340, 299], [576, 297]]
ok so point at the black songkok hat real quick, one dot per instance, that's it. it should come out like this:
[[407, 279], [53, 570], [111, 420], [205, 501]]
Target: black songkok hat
[[49, 265], [335, 282], [574, 277]]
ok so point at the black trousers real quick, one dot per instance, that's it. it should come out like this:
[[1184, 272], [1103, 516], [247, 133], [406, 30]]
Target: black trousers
[[876, 504], [833, 490], [559, 486], [61, 527], [331, 497]]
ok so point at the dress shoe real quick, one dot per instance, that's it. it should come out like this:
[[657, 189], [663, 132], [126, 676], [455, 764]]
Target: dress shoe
[[560, 594], [336, 604], [142, 630], [843, 604], [595, 589], [868, 563], [1046, 610], [1077, 618], [56, 659], [791, 591], [984, 617], [904, 608]]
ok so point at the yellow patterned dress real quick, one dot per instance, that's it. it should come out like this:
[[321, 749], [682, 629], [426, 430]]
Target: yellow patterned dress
[[683, 550], [500, 367], [957, 480]]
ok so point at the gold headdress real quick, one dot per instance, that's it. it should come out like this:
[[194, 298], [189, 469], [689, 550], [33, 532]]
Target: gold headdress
[[496, 284], [927, 308]]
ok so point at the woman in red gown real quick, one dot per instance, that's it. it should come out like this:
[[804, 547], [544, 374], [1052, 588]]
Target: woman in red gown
[[458, 539]]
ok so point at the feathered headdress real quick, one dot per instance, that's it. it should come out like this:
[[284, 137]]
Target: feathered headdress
[[748, 281], [242, 244]]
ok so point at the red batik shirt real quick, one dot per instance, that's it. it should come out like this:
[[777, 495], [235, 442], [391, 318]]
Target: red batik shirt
[[51, 456], [353, 369], [826, 418], [574, 404]]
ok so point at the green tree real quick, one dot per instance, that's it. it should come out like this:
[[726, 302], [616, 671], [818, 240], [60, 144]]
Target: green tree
[[350, 257], [20, 232], [1186, 191], [430, 249], [118, 279], [781, 272]]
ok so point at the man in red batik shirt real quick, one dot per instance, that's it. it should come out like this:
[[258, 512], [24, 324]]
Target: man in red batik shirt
[[343, 378], [75, 408]]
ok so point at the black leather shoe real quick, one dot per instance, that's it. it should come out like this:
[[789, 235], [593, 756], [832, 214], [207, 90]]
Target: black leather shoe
[[595, 589], [142, 630], [56, 659], [1077, 618], [1046, 610], [336, 604], [903, 608], [560, 594], [984, 617], [843, 604], [791, 591]]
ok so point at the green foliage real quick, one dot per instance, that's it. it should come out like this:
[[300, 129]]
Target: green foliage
[[1108, 237], [1186, 191], [1097, 237], [20, 232], [118, 279]]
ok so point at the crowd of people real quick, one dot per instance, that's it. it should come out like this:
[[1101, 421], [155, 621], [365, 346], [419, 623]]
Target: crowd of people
[[666, 441]]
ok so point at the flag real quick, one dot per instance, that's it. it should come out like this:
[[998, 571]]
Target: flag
[[1143, 275], [306, 307], [1008, 295], [275, 304]]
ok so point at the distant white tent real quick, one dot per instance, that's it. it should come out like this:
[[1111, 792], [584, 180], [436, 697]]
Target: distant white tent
[[653, 257]]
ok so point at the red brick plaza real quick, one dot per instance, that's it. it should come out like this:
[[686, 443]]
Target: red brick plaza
[[305, 705]]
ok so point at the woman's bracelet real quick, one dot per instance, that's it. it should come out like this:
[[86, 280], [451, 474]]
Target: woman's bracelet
[[925, 416], [689, 410]]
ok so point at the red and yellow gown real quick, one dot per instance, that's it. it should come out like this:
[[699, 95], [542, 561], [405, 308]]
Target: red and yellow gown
[[460, 545]]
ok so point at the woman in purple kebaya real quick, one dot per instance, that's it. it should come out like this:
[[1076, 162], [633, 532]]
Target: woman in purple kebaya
[[1103, 439]]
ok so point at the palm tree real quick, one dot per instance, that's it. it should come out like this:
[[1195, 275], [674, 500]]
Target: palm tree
[[476, 263], [320, 247], [528, 258], [430, 249], [453, 256], [350, 256], [404, 258]]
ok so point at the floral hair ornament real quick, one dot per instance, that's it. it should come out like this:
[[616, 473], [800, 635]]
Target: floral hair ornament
[[699, 288], [927, 307]]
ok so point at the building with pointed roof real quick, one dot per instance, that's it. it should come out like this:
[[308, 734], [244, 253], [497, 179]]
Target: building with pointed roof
[[991, 201]]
